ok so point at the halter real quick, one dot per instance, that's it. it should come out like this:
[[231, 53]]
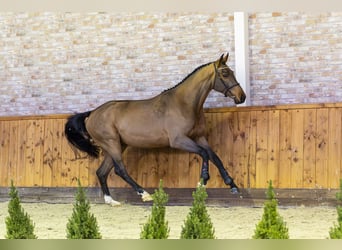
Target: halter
[[227, 88]]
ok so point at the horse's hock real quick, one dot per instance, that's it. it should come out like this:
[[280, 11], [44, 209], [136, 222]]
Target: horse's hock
[[298, 147]]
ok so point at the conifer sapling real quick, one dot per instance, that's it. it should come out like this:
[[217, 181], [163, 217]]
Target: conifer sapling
[[18, 223], [198, 224], [336, 231], [157, 227], [82, 224], [271, 225]]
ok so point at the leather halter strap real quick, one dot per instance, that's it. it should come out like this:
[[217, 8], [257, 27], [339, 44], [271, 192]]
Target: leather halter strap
[[227, 88]]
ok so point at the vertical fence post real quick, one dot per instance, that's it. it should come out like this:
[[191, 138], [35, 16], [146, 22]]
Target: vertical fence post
[[241, 53]]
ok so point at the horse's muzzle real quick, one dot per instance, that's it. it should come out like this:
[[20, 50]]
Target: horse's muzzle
[[241, 99]]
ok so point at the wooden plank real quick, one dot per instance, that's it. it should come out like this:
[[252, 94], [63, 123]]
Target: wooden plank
[[81, 172], [309, 148], [213, 128], [322, 169], [261, 149], [38, 141], [65, 178], [71, 165], [29, 154], [152, 166], [219, 140], [47, 154], [297, 135], [74, 162], [143, 166], [340, 113], [90, 167], [132, 157], [163, 168], [185, 177], [195, 162], [240, 147], [149, 168], [171, 174], [57, 135], [251, 154], [334, 147], [21, 158], [285, 149], [227, 144], [5, 179], [273, 147]]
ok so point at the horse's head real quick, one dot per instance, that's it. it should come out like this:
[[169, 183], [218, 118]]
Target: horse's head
[[225, 81]]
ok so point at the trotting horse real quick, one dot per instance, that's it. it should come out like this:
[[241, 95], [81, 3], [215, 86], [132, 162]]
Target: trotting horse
[[173, 118]]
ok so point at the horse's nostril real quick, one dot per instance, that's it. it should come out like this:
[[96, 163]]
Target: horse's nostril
[[243, 98]]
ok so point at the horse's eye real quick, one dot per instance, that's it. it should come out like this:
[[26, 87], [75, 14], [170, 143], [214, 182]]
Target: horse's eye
[[225, 73]]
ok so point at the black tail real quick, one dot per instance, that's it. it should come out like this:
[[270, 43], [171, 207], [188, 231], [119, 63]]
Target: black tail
[[77, 134]]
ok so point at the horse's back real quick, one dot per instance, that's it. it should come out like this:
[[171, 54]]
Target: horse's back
[[137, 123]]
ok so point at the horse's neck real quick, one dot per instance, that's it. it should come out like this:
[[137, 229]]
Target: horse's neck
[[194, 90]]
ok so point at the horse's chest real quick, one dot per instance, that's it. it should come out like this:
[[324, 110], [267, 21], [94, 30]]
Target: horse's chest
[[197, 130]]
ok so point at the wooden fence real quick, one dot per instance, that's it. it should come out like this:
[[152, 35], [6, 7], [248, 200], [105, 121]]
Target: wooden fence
[[296, 146]]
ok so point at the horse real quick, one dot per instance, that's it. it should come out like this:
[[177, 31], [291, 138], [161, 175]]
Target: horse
[[174, 118]]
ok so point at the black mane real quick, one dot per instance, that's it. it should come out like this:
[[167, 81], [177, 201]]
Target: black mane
[[193, 72]]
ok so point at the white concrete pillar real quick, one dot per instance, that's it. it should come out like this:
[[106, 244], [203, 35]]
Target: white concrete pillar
[[242, 53]]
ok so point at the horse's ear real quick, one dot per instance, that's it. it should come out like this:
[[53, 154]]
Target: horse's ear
[[223, 58]]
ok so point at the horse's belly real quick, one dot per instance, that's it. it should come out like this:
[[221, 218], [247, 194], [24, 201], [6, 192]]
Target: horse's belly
[[145, 140]]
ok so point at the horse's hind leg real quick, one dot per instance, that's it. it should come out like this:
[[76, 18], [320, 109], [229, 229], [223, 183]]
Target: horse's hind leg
[[113, 147], [121, 171], [102, 174]]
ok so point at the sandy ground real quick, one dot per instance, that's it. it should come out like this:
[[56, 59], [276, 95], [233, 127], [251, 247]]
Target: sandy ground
[[126, 221]]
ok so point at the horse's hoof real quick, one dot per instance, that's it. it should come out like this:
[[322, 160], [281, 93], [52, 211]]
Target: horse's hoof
[[115, 203], [146, 197], [205, 178], [234, 190], [109, 200]]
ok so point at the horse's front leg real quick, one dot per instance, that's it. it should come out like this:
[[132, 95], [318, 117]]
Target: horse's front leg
[[205, 171], [228, 180], [187, 144]]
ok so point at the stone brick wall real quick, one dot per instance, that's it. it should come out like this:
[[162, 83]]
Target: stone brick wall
[[295, 58], [67, 62]]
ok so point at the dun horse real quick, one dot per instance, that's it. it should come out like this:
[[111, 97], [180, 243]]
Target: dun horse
[[173, 118]]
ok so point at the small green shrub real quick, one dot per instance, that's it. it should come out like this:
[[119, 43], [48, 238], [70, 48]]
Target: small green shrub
[[336, 231], [271, 225], [157, 227], [82, 224], [198, 224], [18, 223]]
